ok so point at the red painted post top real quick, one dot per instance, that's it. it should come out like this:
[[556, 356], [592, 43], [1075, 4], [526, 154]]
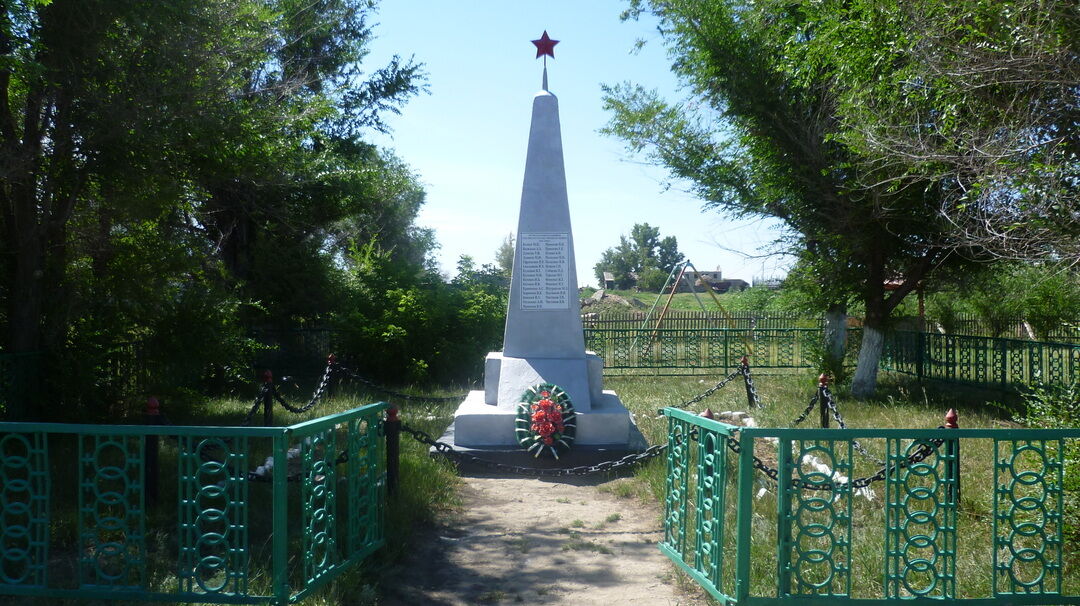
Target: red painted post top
[[268, 377], [392, 414], [707, 413], [823, 380], [153, 407], [951, 418], [331, 359]]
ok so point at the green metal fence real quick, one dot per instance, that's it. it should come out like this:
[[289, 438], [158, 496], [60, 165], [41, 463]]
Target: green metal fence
[[78, 520], [1003, 363], [692, 351], [829, 544]]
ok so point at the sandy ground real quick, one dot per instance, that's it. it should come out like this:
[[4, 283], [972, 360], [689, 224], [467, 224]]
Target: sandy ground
[[541, 541]]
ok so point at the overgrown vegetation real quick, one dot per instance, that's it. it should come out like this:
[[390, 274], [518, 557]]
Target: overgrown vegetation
[[1056, 406]]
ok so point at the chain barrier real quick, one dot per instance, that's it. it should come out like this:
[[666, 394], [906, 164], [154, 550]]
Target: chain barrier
[[710, 391], [259, 399], [924, 451], [831, 404], [320, 391], [605, 466], [744, 368], [806, 413]]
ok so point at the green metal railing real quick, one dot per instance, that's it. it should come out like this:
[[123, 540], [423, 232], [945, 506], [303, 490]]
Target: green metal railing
[[826, 533], [77, 521], [1003, 363], [690, 351]]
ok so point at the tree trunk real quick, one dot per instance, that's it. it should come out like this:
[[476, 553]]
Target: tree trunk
[[865, 382], [835, 337]]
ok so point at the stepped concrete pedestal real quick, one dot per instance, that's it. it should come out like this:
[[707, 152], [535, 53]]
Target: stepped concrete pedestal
[[543, 340]]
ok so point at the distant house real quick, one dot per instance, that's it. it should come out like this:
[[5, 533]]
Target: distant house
[[715, 280], [735, 284]]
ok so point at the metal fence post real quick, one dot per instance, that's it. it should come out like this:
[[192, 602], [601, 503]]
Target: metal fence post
[[952, 454], [392, 428], [268, 398], [150, 453], [745, 364], [823, 384]]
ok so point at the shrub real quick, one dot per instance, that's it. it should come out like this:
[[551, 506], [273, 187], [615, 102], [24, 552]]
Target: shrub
[[1058, 406]]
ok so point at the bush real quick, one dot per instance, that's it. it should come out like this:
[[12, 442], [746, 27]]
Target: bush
[[1055, 407]]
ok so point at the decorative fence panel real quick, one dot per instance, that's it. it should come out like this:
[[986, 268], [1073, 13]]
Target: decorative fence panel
[[698, 320], [690, 351], [79, 514], [807, 531], [1003, 363]]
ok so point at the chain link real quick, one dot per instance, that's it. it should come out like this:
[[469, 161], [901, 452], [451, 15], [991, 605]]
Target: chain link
[[806, 413], [320, 391], [831, 404], [710, 391], [925, 450], [603, 467], [750, 389]]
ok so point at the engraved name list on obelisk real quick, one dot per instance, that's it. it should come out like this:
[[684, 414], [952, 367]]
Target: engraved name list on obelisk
[[545, 270]]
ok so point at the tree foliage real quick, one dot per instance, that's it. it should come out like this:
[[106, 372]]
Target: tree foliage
[[771, 129], [644, 254], [171, 173]]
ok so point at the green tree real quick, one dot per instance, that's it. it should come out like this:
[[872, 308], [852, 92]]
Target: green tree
[[643, 252], [171, 168], [973, 99], [759, 139], [504, 256]]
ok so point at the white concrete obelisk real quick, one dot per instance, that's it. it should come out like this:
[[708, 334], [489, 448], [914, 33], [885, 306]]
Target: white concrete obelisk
[[543, 340]]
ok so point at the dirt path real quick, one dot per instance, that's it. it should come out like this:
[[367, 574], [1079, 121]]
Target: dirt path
[[536, 541]]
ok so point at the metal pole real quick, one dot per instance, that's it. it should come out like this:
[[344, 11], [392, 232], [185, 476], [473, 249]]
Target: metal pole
[[150, 453], [745, 364], [392, 428], [823, 384], [952, 459]]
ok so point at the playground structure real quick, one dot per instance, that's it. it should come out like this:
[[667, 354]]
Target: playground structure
[[677, 276]]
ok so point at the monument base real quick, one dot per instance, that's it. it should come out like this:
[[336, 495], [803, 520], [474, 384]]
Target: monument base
[[479, 424], [575, 457]]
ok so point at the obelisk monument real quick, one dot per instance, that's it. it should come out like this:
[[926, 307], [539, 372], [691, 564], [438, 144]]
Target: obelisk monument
[[543, 340]]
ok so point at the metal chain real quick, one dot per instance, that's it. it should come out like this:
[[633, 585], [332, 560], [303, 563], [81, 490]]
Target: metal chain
[[259, 399], [710, 391], [602, 467], [918, 456], [320, 391], [831, 403], [352, 374], [745, 370], [806, 413]]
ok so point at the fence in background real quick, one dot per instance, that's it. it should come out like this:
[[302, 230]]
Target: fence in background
[[697, 320], [77, 514], [701, 351], [716, 531], [1001, 363]]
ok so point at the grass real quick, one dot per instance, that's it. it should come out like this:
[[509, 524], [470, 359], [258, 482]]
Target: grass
[[900, 404], [428, 486]]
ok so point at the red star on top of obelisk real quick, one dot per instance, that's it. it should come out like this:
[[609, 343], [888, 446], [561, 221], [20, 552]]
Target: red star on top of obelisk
[[545, 46]]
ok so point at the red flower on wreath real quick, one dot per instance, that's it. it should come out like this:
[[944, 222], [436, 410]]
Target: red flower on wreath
[[547, 418]]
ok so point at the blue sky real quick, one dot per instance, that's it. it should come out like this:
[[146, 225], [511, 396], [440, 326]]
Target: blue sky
[[467, 139]]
